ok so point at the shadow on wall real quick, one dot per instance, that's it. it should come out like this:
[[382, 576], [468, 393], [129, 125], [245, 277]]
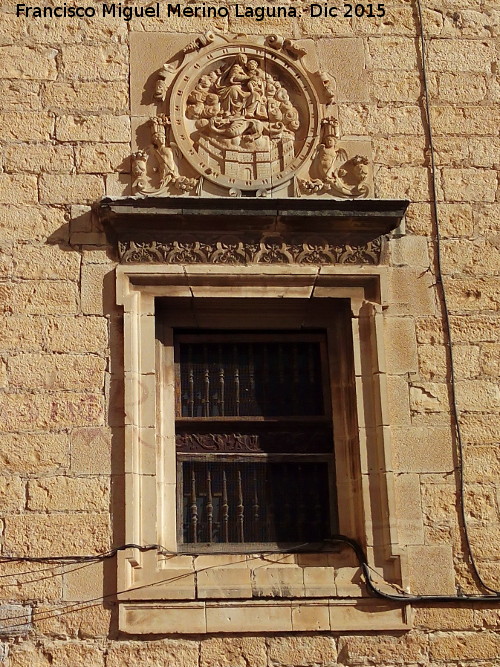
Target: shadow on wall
[[102, 444]]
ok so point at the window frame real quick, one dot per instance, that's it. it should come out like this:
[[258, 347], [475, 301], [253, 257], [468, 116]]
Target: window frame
[[364, 481]]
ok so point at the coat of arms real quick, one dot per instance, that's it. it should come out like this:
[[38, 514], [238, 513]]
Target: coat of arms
[[242, 118]]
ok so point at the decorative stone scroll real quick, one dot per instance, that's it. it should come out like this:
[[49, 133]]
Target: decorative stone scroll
[[244, 117], [232, 250]]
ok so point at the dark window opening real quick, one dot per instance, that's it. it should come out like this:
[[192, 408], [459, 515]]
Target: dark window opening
[[254, 441]]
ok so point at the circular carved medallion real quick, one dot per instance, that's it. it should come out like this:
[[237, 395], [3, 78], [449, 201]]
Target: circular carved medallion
[[244, 117]]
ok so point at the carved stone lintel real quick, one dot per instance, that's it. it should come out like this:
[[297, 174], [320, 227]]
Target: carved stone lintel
[[233, 250]]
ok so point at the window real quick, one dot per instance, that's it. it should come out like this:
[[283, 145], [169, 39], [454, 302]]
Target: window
[[254, 441], [216, 586]]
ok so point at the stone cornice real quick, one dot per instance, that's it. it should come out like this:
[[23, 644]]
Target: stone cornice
[[248, 230]]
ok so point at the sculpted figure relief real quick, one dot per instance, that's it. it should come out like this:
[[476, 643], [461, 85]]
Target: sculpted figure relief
[[246, 116], [241, 111], [337, 174]]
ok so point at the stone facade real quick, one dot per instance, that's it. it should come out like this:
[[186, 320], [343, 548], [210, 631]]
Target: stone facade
[[67, 134]]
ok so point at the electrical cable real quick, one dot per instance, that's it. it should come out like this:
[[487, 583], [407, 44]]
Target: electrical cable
[[372, 589], [440, 284]]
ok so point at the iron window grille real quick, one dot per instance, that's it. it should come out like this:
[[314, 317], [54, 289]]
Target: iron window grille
[[254, 441]]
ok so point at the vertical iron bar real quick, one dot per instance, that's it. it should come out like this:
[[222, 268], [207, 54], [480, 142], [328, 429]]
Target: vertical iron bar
[[240, 509], [225, 509], [236, 379], [206, 380], [190, 381], [222, 406], [194, 507], [210, 506], [255, 508]]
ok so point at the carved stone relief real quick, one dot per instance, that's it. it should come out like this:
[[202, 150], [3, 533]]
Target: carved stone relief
[[227, 249], [243, 117]]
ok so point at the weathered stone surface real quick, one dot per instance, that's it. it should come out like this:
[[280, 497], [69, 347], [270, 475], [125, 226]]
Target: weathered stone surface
[[91, 450], [57, 534], [102, 128], [395, 86], [18, 188], [35, 126], [481, 502], [70, 189], [15, 619], [76, 654], [429, 397], [479, 429], [26, 653], [233, 652], [50, 411], [423, 449], [22, 222], [30, 453], [433, 361], [46, 262], [478, 120], [168, 652], [20, 95], [39, 297], [477, 328], [103, 158], [484, 539], [27, 583], [478, 395], [392, 53], [28, 62], [87, 622], [57, 372], [464, 646], [469, 185], [455, 220], [39, 158], [450, 55], [391, 119], [464, 87], [303, 651], [392, 152], [94, 62], [95, 97], [77, 334], [68, 494], [12, 496], [445, 618], [383, 650]]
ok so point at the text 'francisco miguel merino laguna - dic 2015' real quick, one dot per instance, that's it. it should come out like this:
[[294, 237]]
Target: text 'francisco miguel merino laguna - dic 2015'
[[201, 10]]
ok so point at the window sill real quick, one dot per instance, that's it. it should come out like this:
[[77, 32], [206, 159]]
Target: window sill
[[335, 615]]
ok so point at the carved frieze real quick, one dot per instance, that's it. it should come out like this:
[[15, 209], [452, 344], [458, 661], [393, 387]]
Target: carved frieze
[[239, 116], [232, 250]]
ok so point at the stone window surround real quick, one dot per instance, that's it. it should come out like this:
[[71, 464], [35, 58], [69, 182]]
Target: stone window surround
[[160, 590]]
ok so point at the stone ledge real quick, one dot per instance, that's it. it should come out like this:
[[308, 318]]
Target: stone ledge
[[262, 616]]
